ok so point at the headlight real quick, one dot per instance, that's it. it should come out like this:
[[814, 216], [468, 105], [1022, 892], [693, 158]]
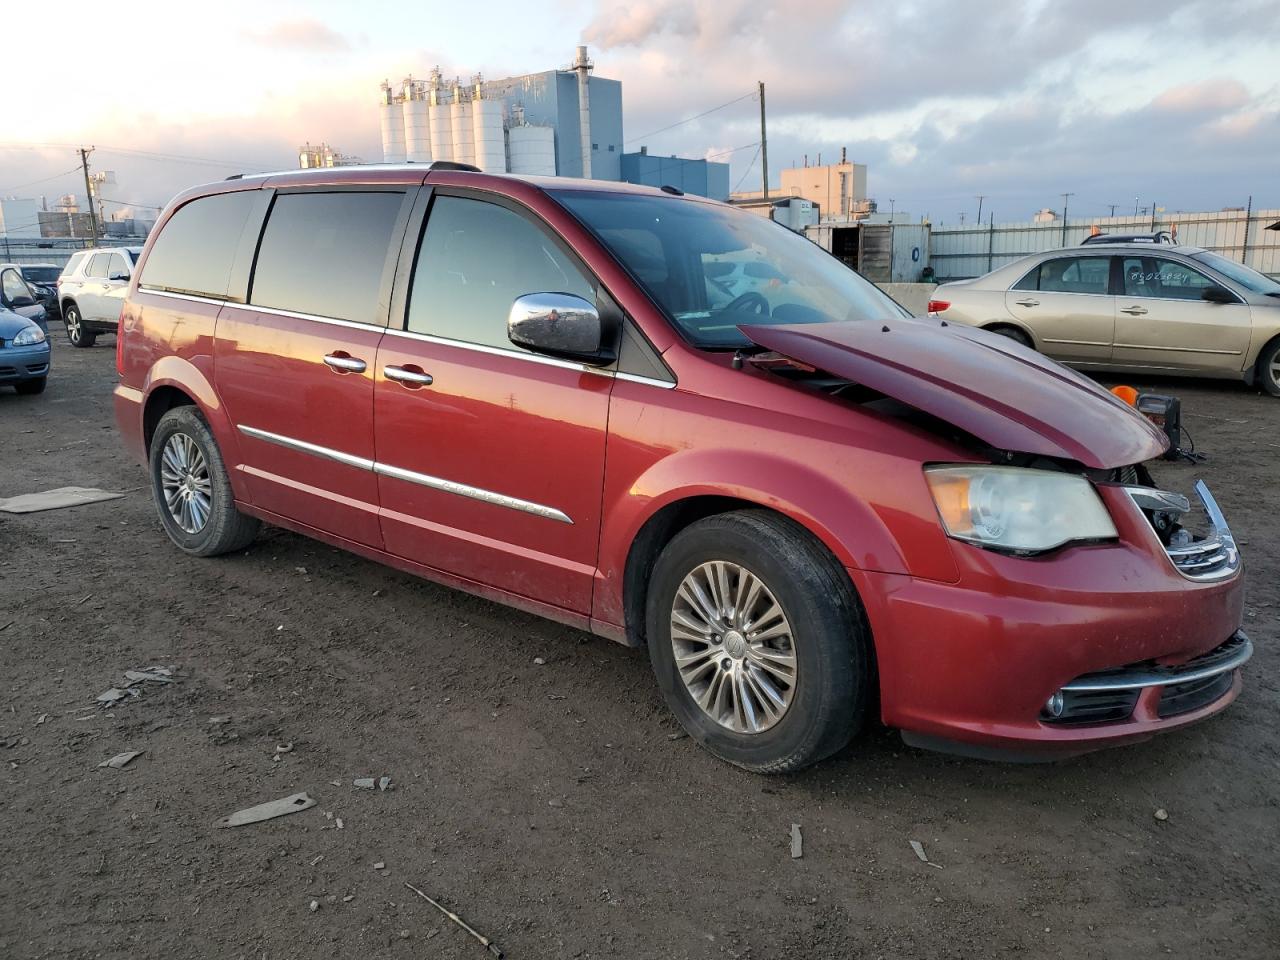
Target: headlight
[[1017, 509], [29, 337]]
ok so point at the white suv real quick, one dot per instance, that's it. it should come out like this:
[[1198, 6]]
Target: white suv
[[91, 290]]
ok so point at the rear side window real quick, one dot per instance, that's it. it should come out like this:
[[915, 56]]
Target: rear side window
[[98, 265], [197, 247], [476, 259], [1070, 275], [74, 262], [325, 253]]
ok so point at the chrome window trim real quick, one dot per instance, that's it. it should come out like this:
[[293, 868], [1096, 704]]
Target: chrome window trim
[[410, 476], [296, 315], [648, 381], [152, 291], [495, 351], [1139, 678]]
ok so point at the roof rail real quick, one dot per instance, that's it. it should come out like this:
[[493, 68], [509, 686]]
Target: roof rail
[[408, 164]]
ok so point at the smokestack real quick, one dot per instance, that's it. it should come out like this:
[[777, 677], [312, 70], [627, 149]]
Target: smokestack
[[583, 65]]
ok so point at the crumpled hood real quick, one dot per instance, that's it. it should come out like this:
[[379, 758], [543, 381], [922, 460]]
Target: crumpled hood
[[1000, 392]]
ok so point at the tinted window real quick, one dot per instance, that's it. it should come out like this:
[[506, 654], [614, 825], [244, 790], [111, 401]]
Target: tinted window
[[40, 274], [98, 265], [476, 259], [197, 246], [1167, 279], [1075, 275], [13, 286], [324, 254]]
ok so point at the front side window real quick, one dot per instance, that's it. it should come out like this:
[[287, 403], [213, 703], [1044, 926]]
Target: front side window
[[117, 268], [1075, 275], [476, 260], [324, 253], [711, 268], [197, 246], [98, 266], [13, 286], [1166, 279]]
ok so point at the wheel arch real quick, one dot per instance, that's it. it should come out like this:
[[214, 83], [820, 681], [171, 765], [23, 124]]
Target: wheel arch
[[993, 326]]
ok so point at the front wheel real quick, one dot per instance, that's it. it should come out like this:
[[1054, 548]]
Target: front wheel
[[1269, 368], [758, 641], [78, 331], [191, 489]]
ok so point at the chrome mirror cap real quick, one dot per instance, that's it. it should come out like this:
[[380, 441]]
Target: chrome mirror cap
[[559, 324]]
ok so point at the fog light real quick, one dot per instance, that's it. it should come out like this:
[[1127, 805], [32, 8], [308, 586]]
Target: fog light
[[1053, 706]]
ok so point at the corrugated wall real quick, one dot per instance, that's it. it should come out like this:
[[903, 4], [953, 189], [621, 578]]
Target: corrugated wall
[[959, 252]]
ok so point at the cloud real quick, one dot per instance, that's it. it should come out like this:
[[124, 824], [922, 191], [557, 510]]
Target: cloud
[[302, 34], [1218, 93]]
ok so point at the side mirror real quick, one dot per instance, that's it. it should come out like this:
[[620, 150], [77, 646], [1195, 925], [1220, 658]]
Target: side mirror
[[1217, 294], [119, 276], [561, 325]]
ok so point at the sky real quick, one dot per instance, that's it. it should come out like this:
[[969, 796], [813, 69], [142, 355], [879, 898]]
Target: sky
[[1127, 102]]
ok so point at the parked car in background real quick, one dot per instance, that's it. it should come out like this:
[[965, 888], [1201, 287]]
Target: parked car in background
[[43, 280], [17, 295], [91, 290], [1133, 307], [811, 503], [24, 353]]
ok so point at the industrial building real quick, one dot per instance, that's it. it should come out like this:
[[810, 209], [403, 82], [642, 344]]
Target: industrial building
[[564, 123], [838, 189], [323, 155]]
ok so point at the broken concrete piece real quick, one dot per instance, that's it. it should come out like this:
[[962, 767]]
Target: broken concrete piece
[[797, 842], [121, 759], [115, 694], [153, 675], [267, 811], [55, 499], [384, 783], [364, 783]]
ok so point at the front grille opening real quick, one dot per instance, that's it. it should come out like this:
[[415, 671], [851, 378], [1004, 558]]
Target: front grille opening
[[1094, 706], [1180, 698]]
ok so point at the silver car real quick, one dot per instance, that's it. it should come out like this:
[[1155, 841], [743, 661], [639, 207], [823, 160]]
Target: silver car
[[1130, 306]]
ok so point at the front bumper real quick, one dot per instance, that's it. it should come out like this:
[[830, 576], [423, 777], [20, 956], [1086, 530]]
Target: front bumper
[[971, 666], [24, 363]]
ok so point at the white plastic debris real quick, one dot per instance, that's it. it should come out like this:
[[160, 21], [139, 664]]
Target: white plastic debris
[[797, 842], [918, 847], [121, 759], [384, 783], [267, 811], [364, 783]]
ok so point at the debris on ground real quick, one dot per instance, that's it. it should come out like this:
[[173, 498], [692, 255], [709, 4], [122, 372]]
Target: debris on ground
[[116, 694], [484, 941], [379, 865], [55, 499], [384, 783], [121, 759], [150, 675], [41, 719], [221, 719], [1162, 814], [315, 905], [678, 735], [364, 783], [282, 749], [267, 811], [540, 660], [918, 847], [797, 842]]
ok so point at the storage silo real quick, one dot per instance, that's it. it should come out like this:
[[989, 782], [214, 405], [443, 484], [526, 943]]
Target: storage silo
[[533, 150], [391, 119], [486, 122], [441, 122], [417, 130], [464, 150]]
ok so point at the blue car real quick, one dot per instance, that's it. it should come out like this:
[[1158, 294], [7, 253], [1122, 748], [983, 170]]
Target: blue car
[[24, 353]]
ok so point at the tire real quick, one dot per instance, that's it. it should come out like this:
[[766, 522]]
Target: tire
[[29, 388], [183, 449], [1014, 334], [78, 332], [1268, 369], [832, 668]]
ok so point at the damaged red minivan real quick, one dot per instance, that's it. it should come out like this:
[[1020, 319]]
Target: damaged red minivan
[[680, 426]]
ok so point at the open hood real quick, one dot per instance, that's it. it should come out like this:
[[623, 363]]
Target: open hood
[[992, 388]]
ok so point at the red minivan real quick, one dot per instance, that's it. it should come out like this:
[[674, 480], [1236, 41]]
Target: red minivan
[[680, 426]]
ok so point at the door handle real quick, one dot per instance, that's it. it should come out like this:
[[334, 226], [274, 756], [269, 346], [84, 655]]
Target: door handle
[[1134, 311], [1027, 302], [411, 377], [344, 363]]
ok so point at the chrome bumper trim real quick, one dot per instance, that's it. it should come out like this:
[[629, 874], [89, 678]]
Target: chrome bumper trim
[[1230, 656]]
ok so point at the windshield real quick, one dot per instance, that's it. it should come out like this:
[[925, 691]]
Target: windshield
[[40, 274], [712, 268], [1247, 277]]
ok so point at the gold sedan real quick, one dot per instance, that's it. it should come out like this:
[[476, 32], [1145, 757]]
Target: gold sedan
[[1137, 307]]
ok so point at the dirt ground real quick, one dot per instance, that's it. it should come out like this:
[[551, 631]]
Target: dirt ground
[[540, 788]]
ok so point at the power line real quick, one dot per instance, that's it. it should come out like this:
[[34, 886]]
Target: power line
[[653, 133], [32, 183], [747, 171]]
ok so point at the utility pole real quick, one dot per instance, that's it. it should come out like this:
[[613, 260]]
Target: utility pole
[[764, 147], [88, 192], [1065, 198], [1248, 219], [980, 198], [1113, 208]]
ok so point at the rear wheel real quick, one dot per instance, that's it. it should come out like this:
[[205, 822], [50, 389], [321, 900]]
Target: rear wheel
[[758, 641], [1014, 334], [30, 388], [191, 489], [78, 331], [1269, 368]]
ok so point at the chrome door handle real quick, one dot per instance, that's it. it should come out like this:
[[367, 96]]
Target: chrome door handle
[[346, 364], [411, 378], [1134, 311], [1027, 302]]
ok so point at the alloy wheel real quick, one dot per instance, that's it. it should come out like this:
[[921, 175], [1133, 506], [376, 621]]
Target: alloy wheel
[[1274, 371], [733, 646], [73, 325], [184, 480]]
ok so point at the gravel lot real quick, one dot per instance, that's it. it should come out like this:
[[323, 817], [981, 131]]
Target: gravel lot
[[552, 803]]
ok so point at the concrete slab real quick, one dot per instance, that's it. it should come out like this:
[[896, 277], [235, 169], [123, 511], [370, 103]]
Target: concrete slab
[[55, 499]]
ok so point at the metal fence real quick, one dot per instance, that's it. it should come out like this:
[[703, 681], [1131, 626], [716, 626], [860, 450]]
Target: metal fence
[[960, 252], [56, 250]]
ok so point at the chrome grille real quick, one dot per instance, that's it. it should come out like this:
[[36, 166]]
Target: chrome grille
[[1208, 556]]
